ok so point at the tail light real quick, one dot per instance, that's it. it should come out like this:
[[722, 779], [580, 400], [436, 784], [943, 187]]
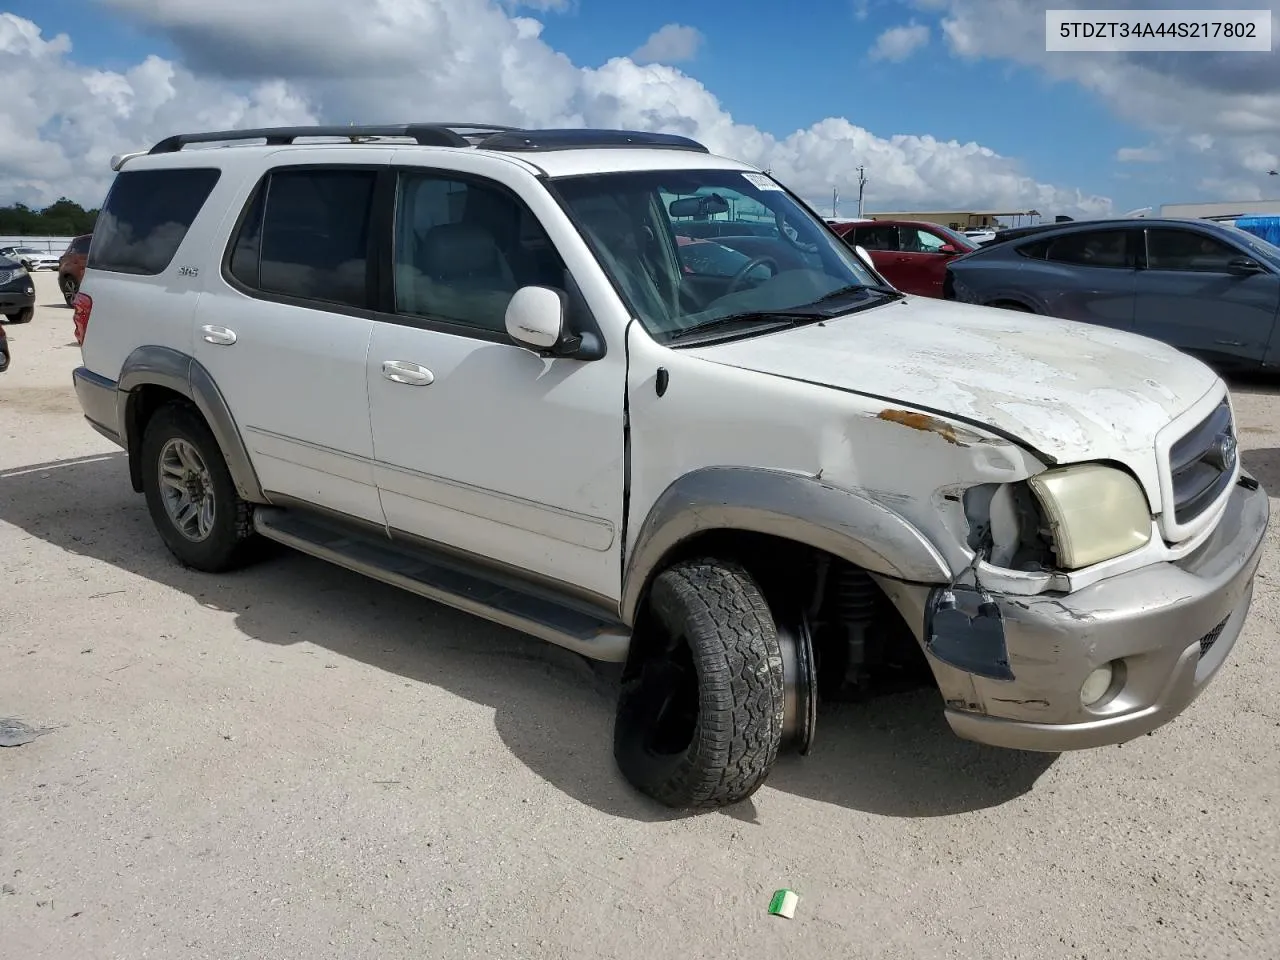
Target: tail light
[[83, 305]]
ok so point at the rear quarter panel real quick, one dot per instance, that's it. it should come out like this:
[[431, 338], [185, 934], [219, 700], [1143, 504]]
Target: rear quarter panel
[[130, 311]]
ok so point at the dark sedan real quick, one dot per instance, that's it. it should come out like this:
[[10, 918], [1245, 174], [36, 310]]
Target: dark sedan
[[1209, 289], [17, 293]]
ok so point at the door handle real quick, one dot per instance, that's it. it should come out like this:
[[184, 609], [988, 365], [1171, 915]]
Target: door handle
[[401, 371], [219, 335]]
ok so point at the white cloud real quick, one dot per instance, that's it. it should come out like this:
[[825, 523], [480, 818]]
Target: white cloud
[[1224, 106], [672, 43], [898, 43], [1139, 155], [248, 63]]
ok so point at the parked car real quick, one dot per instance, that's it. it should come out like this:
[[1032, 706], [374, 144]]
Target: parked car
[[479, 371], [980, 236], [911, 254], [32, 258], [17, 292], [1208, 289], [71, 266]]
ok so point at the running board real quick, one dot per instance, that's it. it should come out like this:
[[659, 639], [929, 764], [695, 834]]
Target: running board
[[447, 581]]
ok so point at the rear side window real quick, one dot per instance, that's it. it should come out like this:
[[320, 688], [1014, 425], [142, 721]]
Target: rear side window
[[80, 245], [306, 236], [146, 216], [880, 237], [1094, 248]]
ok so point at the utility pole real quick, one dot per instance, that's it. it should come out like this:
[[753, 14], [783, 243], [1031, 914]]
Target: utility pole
[[835, 201], [862, 183]]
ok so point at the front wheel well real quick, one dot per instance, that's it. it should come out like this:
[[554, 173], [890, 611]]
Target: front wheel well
[[861, 641], [142, 405]]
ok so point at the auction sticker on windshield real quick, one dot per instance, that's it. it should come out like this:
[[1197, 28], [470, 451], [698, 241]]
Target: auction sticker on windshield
[[760, 181]]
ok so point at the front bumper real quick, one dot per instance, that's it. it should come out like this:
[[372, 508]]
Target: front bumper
[[1171, 625], [18, 297]]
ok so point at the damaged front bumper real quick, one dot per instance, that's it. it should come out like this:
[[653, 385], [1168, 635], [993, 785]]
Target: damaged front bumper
[[1165, 629]]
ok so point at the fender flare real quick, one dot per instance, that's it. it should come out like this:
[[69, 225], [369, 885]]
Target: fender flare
[[791, 506], [183, 374]]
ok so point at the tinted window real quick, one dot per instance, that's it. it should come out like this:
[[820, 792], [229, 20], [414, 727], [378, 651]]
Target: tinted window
[[463, 248], [146, 215], [80, 245], [1187, 250], [307, 236], [1097, 248], [1035, 250], [881, 237]]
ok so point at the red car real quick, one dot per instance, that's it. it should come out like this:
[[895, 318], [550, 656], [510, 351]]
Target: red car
[[71, 266], [910, 254]]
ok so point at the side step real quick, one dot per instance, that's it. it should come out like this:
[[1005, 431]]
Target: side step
[[447, 581]]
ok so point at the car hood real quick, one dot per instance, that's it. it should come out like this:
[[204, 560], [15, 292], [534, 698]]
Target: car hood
[[1069, 391]]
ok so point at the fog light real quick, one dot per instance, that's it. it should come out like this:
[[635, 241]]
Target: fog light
[[1096, 685]]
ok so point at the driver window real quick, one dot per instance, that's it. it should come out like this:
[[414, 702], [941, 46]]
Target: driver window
[[917, 240]]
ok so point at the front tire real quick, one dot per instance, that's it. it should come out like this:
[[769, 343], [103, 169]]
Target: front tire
[[701, 715], [25, 315], [69, 287], [190, 494]]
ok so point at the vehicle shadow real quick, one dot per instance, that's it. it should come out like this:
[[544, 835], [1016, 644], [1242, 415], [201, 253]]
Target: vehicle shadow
[[1264, 464], [893, 756]]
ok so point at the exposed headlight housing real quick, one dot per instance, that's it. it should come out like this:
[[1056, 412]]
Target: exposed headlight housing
[[1094, 513]]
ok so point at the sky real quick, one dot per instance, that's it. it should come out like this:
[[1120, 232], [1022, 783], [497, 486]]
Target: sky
[[947, 104]]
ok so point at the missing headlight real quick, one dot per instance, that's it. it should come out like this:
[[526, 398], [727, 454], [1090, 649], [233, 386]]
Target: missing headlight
[[1008, 516]]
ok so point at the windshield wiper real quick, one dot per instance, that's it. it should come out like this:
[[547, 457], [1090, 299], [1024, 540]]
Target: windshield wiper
[[839, 292], [764, 318]]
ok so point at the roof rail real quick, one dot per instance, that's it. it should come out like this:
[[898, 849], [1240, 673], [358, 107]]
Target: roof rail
[[426, 134], [530, 141]]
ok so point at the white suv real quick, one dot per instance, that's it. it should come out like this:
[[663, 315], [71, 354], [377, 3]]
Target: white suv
[[638, 400]]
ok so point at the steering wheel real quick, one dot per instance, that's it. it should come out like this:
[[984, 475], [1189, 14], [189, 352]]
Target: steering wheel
[[741, 275]]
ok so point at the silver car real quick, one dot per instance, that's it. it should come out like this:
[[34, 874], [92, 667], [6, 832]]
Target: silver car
[[1208, 289]]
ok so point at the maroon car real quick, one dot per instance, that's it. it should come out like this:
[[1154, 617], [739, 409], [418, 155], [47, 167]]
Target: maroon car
[[71, 266], [910, 254]]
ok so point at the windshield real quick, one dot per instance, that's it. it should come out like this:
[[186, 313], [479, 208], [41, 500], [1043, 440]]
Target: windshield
[[689, 248], [1263, 249]]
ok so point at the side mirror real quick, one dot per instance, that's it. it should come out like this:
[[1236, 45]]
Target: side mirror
[[1243, 266], [535, 318], [949, 249]]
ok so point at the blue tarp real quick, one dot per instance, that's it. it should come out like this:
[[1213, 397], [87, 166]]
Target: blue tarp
[[1268, 228]]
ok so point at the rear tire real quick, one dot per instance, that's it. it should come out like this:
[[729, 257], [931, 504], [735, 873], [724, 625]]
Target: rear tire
[[701, 715], [190, 494], [25, 315], [69, 287], [1011, 305]]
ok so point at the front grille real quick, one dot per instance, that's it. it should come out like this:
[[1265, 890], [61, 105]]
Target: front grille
[[1202, 464], [7, 275], [1210, 638]]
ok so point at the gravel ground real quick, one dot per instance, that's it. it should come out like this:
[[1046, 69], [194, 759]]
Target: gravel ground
[[294, 761]]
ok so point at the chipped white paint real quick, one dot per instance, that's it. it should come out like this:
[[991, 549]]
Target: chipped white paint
[[1072, 391]]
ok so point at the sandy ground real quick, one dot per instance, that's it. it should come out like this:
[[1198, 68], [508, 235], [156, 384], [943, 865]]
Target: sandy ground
[[294, 761]]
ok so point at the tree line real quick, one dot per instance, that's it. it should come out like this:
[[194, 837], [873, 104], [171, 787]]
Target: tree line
[[65, 218]]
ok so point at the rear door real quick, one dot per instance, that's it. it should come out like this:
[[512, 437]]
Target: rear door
[[285, 329], [881, 241], [1085, 275], [1189, 297]]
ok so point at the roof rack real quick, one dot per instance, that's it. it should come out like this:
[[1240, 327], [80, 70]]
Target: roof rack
[[530, 141], [426, 134], [486, 136]]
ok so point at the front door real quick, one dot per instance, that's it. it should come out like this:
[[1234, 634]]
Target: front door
[[481, 445], [285, 336], [1188, 297], [919, 261]]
